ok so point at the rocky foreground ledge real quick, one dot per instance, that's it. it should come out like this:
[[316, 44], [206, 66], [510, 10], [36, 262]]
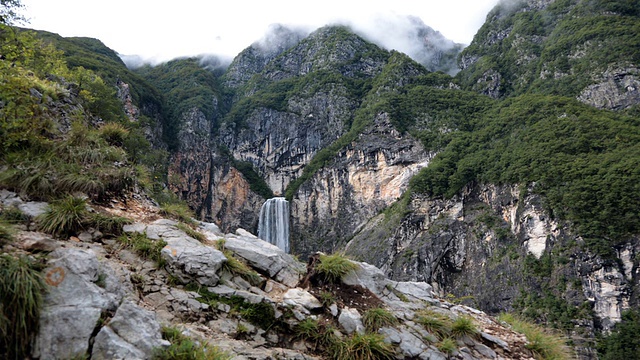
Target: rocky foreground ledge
[[104, 301]]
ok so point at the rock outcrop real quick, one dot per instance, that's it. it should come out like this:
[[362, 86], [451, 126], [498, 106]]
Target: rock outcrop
[[104, 302]]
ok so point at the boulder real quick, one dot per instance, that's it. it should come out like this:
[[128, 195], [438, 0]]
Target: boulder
[[351, 321], [73, 304], [133, 333], [189, 260], [36, 241], [266, 258], [301, 298]]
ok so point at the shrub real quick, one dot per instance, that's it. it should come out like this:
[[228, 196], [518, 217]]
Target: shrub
[[183, 348], [108, 224], [64, 216], [376, 318], [21, 289], [541, 342], [327, 298], [464, 326], [308, 329], [623, 341], [333, 268], [363, 347]]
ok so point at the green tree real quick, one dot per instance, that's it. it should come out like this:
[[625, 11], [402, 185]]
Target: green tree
[[9, 11]]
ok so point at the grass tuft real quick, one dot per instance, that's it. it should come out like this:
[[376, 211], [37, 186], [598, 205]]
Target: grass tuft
[[184, 348], [464, 326], [108, 224], [143, 246], [114, 133], [21, 289], [447, 346], [544, 344], [191, 232], [6, 233], [333, 268], [179, 211], [435, 323], [376, 318], [64, 217], [363, 347]]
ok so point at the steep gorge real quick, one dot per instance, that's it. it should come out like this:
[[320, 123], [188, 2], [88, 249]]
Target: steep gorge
[[423, 174]]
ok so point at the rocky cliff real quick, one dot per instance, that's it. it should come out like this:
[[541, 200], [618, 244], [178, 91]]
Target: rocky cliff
[[119, 301], [341, 127], [529, 196]]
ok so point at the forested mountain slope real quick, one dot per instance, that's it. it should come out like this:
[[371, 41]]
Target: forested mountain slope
[[518, 176]]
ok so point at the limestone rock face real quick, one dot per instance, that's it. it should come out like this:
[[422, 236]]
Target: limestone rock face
[[187, 258], [485, 242], [267, 258], [367, 177], [618, 89], [73, 304], [133, 333]]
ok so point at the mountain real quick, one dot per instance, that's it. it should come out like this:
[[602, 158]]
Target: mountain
[[511, 186]]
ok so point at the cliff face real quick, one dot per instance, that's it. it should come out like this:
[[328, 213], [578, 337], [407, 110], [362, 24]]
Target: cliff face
[[497, 248], [366, 177], [341, 127]]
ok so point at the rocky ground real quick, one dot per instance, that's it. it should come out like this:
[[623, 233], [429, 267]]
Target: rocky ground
[[107, 302]]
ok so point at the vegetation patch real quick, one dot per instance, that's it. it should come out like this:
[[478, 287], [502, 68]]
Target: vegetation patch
[[65, 216], [435, 323], [236, 266], [184, 348], [544, 344], [261, 314], [362, 347], [374, 319], [145, 248], [21, 293], [623, 341], [332, 268], [192, 232]]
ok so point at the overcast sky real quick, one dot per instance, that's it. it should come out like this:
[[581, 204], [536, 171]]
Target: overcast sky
[[166, 29]]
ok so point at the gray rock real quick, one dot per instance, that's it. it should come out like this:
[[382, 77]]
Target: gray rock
[[72, 305], [367, 276], [64, 332], [485, 351], [303, 298], [108, 345], [211, 228], [131, 325], [36, 241], [351, 321], [190, 260], [432, 354], [85, 237], [266, 257], [503, 344], [33, 208], [416, 290]]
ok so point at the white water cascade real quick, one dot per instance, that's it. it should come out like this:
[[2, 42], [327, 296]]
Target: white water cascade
[[273, 225]]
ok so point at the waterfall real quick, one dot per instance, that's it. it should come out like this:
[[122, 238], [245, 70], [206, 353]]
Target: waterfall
[[273, 225]]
